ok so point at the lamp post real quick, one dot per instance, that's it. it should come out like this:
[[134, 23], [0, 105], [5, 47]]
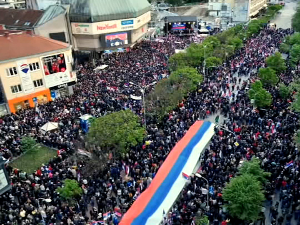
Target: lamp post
[[200, 176]]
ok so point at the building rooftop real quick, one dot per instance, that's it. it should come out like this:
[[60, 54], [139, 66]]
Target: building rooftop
[[18, 44], [89, 11], [19, 18], [50, 13]]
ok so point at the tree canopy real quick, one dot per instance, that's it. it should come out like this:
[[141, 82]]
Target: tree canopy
[[245, 197], [116, 132], [284, 91], [268, 76], [213, 62], [70, 190], [185, 79], [295, 55], [261, 97], [253, 168], [296, 20], [276, 62], [178, 60]]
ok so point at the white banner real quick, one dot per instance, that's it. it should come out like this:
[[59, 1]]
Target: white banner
[[23, 69]]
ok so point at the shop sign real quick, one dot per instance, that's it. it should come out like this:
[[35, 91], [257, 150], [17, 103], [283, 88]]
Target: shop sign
[[107, 27], [81, 28], [26, 80], [126, 22], [62, 86]]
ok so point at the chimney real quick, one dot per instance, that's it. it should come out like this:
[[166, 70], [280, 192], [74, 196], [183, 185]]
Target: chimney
[[6, 34]]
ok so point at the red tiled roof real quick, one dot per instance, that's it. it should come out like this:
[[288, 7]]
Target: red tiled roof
[[20, 44], [25, 18]]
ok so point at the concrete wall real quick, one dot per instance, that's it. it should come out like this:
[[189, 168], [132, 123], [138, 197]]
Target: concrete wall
[[57, 25]]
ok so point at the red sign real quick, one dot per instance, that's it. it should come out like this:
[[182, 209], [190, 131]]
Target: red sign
[[1, 27], [106, 27]]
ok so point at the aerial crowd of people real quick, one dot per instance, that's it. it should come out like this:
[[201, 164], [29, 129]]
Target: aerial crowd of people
[[108, 193]]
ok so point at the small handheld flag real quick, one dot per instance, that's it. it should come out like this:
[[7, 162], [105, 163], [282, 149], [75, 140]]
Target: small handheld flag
[[185, 176]]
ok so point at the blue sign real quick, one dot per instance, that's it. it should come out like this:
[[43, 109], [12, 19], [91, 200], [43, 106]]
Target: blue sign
[[126, 22]]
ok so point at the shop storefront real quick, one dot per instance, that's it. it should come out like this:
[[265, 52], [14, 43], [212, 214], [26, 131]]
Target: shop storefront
[[62, 90], [31, 100]]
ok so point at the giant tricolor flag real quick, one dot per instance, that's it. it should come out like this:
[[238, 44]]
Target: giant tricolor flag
[[170, 178]]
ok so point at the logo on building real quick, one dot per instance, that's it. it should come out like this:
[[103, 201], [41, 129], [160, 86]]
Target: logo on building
[[24, 68], [126, 22], [81, 25], [107, 27]]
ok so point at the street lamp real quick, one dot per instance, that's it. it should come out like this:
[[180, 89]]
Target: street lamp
[[200, 176]]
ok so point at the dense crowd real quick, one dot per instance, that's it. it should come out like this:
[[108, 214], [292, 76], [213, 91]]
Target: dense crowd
[[33, 198]]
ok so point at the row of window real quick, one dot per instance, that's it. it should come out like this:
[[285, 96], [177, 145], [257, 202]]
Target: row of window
[[18, 88], [12, 71]]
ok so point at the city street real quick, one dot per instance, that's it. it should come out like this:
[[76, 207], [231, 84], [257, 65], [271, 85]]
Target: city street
[[284, 19]]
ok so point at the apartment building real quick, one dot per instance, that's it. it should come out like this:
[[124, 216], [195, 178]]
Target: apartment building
[[33, 70]]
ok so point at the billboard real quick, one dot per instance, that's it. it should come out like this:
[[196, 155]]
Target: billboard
[[26, 80], [55, 70], [178, 26], [117, 39]]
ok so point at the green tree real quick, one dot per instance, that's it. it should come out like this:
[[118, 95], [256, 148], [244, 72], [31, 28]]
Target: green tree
[[236, 42], [262, 98], [293, 39], [284, 91], [213, 62], [203, 220], [296, 103], [185, 79], [116, 132], [268, 76], [70, 191], [295, 55], [178, 60], [195, 54], [276, 62], [296, 20], [284, 48], [212, 40], [163, 99], [28, 144], [245, 197], [253, 168]]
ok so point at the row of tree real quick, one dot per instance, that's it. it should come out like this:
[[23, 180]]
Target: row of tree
[[268, 77], [296, 19]]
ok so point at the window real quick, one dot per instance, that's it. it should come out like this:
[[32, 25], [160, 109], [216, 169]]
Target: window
[[12, 71], [38, 83], [16, 88], [34, 66]]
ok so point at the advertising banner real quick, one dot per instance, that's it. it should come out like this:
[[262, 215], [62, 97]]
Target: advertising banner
[[118, 39], [111, 26], [55, 70], [25, 76]]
